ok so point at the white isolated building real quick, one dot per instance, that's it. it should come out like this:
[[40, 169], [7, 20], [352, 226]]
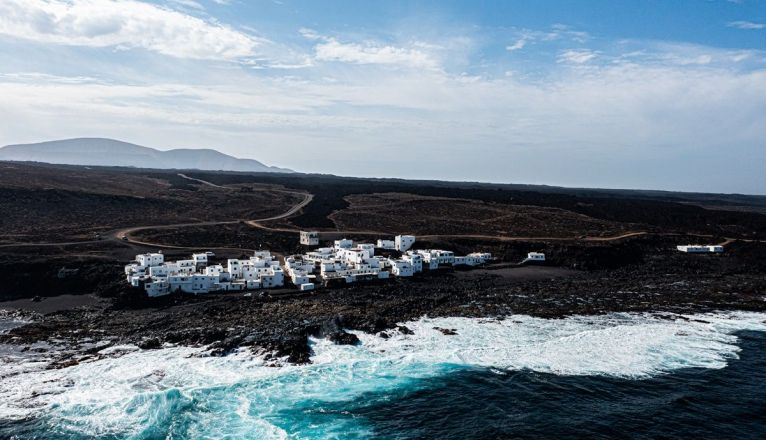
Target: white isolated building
[[535, 257], [403, 243], [309, 238], [700, 249]]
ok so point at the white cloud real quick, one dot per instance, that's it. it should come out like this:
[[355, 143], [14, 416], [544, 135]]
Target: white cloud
[[123, 24], [189, 4], [518, 45], [564, 32], [742, 24], [624, 121], [557, 32], [309, 34], [331, 49], [579, 56], [595, 118]]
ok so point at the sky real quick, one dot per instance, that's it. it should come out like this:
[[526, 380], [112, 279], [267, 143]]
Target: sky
[[652, 94]]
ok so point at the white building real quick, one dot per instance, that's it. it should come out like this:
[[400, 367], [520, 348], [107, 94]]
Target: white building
[[403, 243], [149, 260], [200, 259], [309, 238], [700, 249], [415, 260], [299, 270], [367, 248], [345, 261], [484, 257], [535, 256], [386, 244], [468, 260], [401, 267], [188, 276], [433, 258], [344, 243]]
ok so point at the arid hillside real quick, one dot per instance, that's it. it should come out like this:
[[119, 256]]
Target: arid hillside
[[43, 203], [423, 215]]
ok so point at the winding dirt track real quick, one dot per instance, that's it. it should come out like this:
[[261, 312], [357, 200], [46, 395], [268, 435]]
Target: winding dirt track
[[124, 235], [127, 232], [204, 182]]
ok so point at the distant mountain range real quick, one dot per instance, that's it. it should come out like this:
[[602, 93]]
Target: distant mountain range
[[110, 152]]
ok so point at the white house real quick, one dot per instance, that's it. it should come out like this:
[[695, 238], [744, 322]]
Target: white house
[[148, 260], [415, 260], [309, 238], [200, 259], [164, 270], [535, 256], [159, 287], [186, 266], [367, 248], [401, 267], [484, 257], [386, 244], [700, 249], [344, 243], [403, 243], [468, 260]]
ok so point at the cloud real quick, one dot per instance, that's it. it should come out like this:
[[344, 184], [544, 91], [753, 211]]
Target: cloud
[[188, 4], [579, 56], [741, 24], [310, 34], [606, 117], [518, 45], [331, 49], [623, 120], [557, 32], [125, 24]]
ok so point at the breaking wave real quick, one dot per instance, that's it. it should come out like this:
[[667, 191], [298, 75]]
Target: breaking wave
[[178, 393]]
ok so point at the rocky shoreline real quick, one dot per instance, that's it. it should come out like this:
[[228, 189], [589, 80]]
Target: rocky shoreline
[[279, 324]]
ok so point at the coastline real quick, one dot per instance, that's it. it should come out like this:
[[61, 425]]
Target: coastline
[[282, 323]]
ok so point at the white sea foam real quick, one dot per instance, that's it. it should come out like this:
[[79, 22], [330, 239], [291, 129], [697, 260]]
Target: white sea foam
[[174, 391]]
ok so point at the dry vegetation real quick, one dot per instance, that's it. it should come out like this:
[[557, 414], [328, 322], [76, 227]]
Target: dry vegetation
[[423, 215]]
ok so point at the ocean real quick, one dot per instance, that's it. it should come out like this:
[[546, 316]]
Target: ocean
[[612, 376]]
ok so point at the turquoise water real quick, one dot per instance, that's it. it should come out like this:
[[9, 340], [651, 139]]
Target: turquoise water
[[179, 393]]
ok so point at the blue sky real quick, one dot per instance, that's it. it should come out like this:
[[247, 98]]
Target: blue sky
[[633, 94]]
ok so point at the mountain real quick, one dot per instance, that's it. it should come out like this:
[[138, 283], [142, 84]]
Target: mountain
[[110, 152]]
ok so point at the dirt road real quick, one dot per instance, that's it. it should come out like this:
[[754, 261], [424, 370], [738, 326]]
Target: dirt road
[[124, 235]]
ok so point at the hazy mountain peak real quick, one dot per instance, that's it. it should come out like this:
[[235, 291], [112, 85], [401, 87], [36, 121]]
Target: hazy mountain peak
[[111, 152]]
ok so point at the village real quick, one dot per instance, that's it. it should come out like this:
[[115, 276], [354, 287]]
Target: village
[[345, 262]]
